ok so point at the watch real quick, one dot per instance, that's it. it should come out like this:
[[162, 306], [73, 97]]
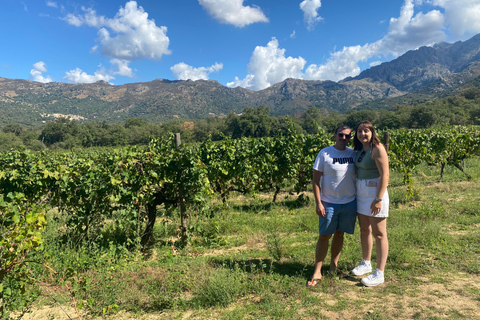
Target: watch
[[378, 199]]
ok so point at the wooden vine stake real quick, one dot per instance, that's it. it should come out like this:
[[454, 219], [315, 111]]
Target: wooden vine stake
[[2, 310], [183, 207], [386, 140]]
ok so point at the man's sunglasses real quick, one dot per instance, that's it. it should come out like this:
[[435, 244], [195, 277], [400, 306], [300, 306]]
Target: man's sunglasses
[[347, 136]]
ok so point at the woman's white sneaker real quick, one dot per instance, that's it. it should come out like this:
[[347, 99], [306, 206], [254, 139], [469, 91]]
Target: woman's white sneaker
[[374, 279], [363, 268]]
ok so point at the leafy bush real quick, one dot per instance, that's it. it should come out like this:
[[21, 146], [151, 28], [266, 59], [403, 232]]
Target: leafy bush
[[21, 226]]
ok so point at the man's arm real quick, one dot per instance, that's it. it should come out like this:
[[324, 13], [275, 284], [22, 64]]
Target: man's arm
[[316, 192]]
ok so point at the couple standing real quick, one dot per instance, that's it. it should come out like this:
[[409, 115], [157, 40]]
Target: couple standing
[[348, 181]]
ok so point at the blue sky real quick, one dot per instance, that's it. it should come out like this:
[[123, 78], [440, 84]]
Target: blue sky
[[248, 43]]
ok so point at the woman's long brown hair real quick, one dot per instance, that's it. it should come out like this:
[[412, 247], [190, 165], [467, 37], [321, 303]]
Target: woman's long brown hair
[[357, 145]]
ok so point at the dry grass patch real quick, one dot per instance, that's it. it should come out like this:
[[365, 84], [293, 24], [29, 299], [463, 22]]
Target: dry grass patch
[[234, 250]]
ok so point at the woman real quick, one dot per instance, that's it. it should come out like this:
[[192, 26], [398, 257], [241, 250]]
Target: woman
[[371, 162]]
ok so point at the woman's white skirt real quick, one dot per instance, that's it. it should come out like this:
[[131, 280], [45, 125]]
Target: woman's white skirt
[[366, 193]]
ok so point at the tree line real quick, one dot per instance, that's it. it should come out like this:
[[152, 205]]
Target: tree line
[[461, 109]]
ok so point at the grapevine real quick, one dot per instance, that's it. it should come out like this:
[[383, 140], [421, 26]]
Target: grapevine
[[105, 191]]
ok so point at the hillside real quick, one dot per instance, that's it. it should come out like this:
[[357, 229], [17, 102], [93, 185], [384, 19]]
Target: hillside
[[418, 75]]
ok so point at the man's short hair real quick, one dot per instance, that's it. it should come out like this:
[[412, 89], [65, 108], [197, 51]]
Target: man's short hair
[[342, 127]]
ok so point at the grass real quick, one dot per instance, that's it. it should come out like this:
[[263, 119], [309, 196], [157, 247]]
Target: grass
[[250, 259]]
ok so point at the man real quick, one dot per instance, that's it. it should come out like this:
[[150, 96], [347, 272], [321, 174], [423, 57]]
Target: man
[[334, 191]]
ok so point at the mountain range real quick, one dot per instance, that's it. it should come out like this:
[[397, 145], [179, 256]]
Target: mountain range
[[427, 71]]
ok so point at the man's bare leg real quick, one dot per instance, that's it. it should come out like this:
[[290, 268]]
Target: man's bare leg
[[337, 245], [320, 253]]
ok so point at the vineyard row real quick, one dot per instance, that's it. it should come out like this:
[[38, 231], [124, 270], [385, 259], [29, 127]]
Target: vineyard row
[[121, 189]]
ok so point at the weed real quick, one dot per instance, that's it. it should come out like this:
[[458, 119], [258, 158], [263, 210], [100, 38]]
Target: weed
[[274, 246], [222, 288], [470, 210], [374, 315], [207, 236], [432, 210]]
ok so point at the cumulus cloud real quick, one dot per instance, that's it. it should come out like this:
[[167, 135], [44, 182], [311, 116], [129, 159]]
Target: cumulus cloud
[[130, 35], [37, 72], [40, 66], [127, 37], [461, 16], [268, 65], [52, 4], [183, 71], [245, 83], [310, 13], [411, 31], [79, 76], [122, 67], [341, 64], [233, 12]]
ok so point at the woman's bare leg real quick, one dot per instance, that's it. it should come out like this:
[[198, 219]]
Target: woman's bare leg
[[365, 236], [379, 231]]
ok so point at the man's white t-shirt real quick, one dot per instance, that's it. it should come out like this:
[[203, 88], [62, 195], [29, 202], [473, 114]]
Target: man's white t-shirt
[[338, 178]]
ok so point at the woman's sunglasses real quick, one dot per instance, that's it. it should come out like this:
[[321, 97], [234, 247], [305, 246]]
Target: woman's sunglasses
[[361, 156]]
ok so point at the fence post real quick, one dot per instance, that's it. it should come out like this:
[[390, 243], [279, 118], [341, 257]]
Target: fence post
[[178, 140], [386, 139]]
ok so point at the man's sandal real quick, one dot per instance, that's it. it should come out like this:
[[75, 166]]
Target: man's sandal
[[312, 283]]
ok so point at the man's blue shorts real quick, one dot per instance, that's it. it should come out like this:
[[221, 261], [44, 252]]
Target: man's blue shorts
[[341, 217]]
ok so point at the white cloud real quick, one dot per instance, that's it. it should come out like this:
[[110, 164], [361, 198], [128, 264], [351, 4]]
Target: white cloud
[[89, 18], [411, 31], [268, 65], [292, 35], [340, 65], [183, 71], [127, 37], [233, 12], [40, 66], [94, 49], [310, 12], [52, 4], [79, 76], [122, 67], [462, 16], [73, 20], [130, 35], [36, 72], [245, 83]]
